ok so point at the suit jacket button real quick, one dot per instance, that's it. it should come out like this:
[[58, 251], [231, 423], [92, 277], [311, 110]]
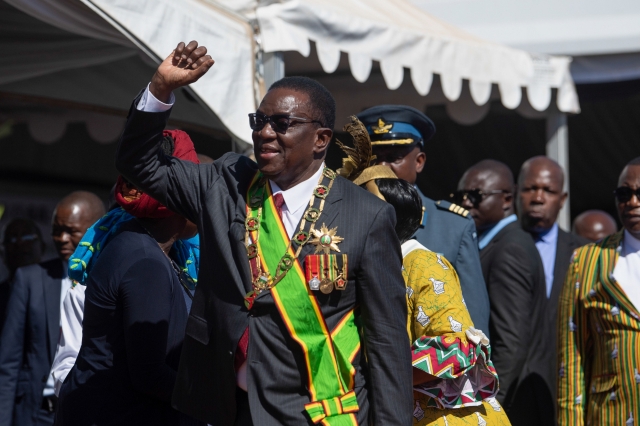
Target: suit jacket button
[[44, 379]]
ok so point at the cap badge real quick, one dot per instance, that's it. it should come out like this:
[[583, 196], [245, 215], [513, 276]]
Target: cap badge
[[382, 127]]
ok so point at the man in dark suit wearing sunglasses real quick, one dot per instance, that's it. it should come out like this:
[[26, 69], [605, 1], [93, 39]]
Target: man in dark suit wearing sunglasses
[[515, 279], [273, 332]]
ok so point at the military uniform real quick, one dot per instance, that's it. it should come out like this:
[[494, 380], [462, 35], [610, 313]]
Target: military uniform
[[446, 228]]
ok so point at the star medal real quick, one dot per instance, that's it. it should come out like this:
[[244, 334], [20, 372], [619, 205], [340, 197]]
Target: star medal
[[326, 239], [326, 286], [314, 283]]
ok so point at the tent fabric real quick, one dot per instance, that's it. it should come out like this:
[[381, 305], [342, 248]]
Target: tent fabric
[[228, 88], [399, 35], [30, 49], [394, 33]]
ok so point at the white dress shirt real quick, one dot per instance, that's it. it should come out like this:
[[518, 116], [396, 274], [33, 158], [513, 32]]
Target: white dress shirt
[[49, 386], [71, 317], [627, 269], [295, 198]]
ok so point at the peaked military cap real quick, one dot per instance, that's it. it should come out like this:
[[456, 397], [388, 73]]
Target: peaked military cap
[[399, 125]]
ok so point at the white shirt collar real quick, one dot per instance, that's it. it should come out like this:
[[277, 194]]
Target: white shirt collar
[[630, 243], [298, 196]]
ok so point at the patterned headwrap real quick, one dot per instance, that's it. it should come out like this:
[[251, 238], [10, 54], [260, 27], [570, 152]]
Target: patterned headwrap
[[186, 253], [144, 206]]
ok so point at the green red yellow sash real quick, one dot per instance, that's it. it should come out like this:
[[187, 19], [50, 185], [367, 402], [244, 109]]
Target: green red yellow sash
[[328, 356]]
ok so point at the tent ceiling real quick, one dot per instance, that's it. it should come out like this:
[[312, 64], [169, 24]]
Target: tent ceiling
[[411, 50], [47, 65]]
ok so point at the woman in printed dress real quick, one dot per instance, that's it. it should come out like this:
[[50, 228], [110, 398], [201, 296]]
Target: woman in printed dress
[[454, 380]]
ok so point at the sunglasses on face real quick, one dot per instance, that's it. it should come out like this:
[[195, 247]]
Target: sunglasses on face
[[280, 123], [624, 194], [475, 196]]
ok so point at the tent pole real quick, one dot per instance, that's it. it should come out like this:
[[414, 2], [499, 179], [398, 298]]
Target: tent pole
[[558, 150], [273, 63]]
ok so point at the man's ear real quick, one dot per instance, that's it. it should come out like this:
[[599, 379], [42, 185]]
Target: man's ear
[[508, 201], [323, 137], [421, 159], [563, 199]]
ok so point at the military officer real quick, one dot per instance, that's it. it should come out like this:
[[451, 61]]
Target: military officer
[[398, 134]]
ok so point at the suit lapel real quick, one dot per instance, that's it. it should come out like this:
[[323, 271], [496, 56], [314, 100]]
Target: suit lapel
[[564, 250], [606, 264], [51, 287]]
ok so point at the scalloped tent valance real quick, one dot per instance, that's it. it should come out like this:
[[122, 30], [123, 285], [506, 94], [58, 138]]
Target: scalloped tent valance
[[394, 33], [401, 36]]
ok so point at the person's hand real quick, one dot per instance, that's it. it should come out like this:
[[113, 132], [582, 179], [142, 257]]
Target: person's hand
[[185, 65]]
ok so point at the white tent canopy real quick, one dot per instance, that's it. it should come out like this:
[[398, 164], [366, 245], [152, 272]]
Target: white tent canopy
[[602, 36], [398, 36]]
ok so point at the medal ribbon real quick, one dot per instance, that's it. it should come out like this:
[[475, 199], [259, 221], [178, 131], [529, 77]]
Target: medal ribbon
[[330, 374]]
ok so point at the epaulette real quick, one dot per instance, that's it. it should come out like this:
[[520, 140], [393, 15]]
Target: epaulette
[[454, 208]]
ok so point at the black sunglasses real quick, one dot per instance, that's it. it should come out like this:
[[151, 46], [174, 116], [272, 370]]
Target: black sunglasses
[[475, 196], [624, 194], [279, 122]]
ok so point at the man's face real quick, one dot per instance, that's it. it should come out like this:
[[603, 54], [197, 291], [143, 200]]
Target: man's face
[[406, 162], [286, 158], [22, 245], [629, 212], [491, 209], [70, 222], [540, 197]]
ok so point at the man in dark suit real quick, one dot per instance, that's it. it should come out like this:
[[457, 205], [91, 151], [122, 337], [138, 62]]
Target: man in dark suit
[[515, 279], [540, 198], [23, 245], [398, 134], [246, 353], [31, 331]]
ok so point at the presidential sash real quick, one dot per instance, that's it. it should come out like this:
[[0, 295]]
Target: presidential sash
[[328, 355]]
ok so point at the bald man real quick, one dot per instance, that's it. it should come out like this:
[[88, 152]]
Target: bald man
[[515, 281], [540, 198], [594, 225], [30, 334]]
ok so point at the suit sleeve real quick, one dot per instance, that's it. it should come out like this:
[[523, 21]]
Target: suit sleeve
[[573, 347], [511, 289], [474, 289], [12, 346], [175, 183], [382, 297]]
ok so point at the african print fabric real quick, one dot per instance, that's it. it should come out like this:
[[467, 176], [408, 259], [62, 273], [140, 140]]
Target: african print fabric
[[598, 342], [445, 344]]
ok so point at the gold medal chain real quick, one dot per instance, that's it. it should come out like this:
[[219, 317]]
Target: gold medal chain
[[259, 284]]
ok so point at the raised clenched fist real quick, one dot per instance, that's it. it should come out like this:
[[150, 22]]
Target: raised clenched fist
[[185, 65]]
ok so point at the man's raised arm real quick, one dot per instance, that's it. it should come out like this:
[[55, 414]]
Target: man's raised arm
[[175, 183]]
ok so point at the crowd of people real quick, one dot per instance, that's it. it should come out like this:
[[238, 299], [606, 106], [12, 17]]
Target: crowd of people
[[281, 292]]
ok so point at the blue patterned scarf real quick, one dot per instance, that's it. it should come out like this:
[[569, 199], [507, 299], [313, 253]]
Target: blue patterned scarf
[[186, 253]]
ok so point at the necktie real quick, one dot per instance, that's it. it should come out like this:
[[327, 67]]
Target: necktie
[[243, 344]]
